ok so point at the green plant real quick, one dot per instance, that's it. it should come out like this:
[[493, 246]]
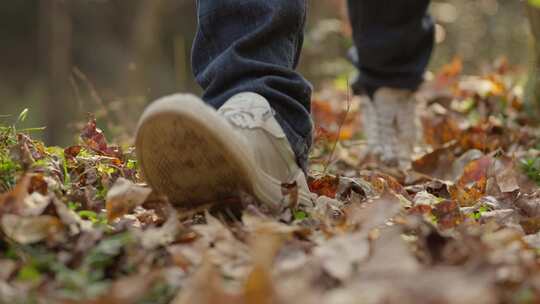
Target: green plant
[[8, 167], [8, 139], [535, 3], [531, 167]]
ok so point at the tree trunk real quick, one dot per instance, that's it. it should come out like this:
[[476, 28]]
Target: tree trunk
[[56, 43], [533, 87], [147, 46]]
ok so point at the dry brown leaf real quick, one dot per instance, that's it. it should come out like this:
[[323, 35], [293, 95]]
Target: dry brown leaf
[[448, 214], [205, 287], [390, 254], [375, 213], [221, 247], [447, 285], [133, 288], [436, 164], [154, 237], [460, 164], [340, 255], [439, 129], [504, 217], [94, 139], [393, 275], [11, 202], [72, 152], [475, 171], [468, 196], [71, 219], [259, 287], [530, 225], [34, 204], [7, 268], [126, 290], [325, 186], [38, 184], [29, 230], [123, 197], [506, 174], [289, 191], [255, 224], [529, 204]]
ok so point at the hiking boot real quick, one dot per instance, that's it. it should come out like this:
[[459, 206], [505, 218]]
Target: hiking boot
[[397, 128], [370, 127], [194, 155]]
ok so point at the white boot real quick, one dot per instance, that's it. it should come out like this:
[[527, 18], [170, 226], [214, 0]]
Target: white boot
[[397, 128], [194, 154], [370, 126]]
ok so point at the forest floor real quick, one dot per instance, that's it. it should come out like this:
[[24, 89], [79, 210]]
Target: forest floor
[[78, 225]]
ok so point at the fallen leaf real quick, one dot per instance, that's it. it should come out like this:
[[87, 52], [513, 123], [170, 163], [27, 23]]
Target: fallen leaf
[[439, 130], [529, 204], [71, 219], [11, 202], [29, 230], [154, 237], [38, 184], [325, 186], [475, 171], [436, 164], [530, 225], [124, 197], [390, 255], [222, 248], [131, 289], [468, 196], [95, 140], [448, 214], [504, 217], [34, 204], [460, 164], [506, 175], [340, 255], [205, 287], [259, 287], [72, 152], [290, 195], [7, 268]]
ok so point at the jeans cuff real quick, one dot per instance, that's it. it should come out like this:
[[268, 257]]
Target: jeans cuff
[[300, 144], [363, 84]]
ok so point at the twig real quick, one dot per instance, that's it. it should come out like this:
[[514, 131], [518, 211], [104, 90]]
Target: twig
[[340, 126], [93, 93], [91, 89], [77, 92]]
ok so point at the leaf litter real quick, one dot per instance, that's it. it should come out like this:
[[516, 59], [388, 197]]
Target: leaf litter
[[79, 225]]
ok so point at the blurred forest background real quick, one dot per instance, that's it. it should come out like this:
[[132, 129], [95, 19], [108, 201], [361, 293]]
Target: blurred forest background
[[65, 58]]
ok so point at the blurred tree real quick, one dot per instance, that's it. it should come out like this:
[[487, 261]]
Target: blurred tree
[[533, 90], [131, 51], [56, 37]]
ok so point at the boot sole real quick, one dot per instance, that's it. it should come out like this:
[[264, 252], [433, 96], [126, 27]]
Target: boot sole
[[190, 154]]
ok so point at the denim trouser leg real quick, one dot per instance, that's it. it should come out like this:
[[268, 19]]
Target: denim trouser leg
[[254, 45], [394, 41]]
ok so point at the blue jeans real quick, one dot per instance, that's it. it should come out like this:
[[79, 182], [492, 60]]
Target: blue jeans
[[254, 45]]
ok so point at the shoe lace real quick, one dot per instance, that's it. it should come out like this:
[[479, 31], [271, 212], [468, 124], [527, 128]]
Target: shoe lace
[[247, 117]]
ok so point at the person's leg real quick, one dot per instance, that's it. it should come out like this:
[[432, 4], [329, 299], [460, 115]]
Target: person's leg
[[252, 129], [393, 43], [254, 46]]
